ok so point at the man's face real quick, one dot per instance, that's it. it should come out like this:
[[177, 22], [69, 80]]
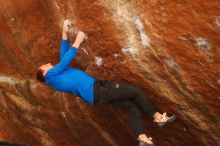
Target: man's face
[[46, 67]]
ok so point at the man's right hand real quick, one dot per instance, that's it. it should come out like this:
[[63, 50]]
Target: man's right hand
[[80, 37]]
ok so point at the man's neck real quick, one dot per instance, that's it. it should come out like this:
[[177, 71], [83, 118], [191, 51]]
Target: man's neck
[[45, 72]]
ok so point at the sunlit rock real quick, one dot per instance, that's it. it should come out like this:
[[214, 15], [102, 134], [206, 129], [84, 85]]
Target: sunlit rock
[[169, 48]]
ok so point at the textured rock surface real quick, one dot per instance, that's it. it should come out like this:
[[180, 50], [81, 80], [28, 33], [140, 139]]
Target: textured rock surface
[[169, 48]]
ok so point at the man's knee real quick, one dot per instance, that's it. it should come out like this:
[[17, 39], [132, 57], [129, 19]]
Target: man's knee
[[136, 90], [133, 108]]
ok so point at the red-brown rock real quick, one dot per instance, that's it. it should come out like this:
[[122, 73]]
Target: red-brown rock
[[169, 48]]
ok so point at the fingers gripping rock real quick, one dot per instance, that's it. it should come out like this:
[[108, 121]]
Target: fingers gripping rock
[[66, 25]]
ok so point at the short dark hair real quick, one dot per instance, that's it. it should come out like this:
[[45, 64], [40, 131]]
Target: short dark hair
[[40, 75]]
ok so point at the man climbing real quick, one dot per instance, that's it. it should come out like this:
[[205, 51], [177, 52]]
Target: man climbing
[[66, 79]]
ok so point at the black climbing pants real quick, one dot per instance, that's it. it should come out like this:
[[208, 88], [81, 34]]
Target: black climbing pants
[[126, 96]]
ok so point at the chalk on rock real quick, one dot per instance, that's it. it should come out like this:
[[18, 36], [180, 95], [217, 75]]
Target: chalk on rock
[[66, 25], [217, 22], [115, 55], [130, 51], [86, 36], [72, 30], [84, 49], [98, 61], [203, 44], [171, 63], [8, 80], [139, 25], [145, 40]]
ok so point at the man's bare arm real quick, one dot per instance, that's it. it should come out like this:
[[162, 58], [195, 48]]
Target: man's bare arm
[[64, 35], [66, 25]]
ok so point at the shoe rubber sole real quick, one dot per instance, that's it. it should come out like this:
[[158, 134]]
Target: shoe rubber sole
[[145, 144], [171, 119]]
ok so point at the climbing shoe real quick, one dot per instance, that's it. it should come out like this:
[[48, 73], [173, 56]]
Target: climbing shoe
[[144, 143], [165, 119]]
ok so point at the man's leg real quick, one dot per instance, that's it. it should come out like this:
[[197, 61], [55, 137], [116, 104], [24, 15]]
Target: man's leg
[[111, 91], [134, 114], [134, 118], [122, 95]]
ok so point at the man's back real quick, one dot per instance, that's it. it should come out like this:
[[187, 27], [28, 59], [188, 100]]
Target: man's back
[[72, 80]]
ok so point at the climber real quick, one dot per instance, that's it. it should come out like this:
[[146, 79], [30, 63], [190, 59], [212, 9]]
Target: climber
[[66, 79]]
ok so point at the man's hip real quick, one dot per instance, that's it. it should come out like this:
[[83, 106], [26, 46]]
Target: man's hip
[[107, 91]]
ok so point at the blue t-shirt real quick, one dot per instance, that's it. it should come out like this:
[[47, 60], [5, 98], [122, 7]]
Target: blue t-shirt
[[67, 79]]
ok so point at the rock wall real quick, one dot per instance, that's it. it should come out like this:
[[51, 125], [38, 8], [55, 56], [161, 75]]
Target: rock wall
[[169, 48]]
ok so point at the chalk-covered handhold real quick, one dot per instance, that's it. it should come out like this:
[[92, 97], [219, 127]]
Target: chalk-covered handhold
[[66, 25]]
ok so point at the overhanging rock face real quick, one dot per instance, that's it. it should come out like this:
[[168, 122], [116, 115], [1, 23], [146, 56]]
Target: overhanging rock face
[[169, 48]]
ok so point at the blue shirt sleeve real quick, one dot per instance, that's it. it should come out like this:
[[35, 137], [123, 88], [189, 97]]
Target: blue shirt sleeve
[[63, 47], [64, 62]]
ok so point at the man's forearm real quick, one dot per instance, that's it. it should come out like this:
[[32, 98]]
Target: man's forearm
[[76, 44], [64, 35], [66, 25]]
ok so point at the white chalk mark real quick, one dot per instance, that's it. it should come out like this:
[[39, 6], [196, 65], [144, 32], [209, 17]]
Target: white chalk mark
[[156, 35], [171, 63], [124, 62], [145, 40], [115, 55], [130, 51], [86, 37], [139, 25], [117, 85], [56, 5], [98, 61], [72, 30], [217, 21], [8, 80], [85, 51], [183, 38], [202, 43]]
